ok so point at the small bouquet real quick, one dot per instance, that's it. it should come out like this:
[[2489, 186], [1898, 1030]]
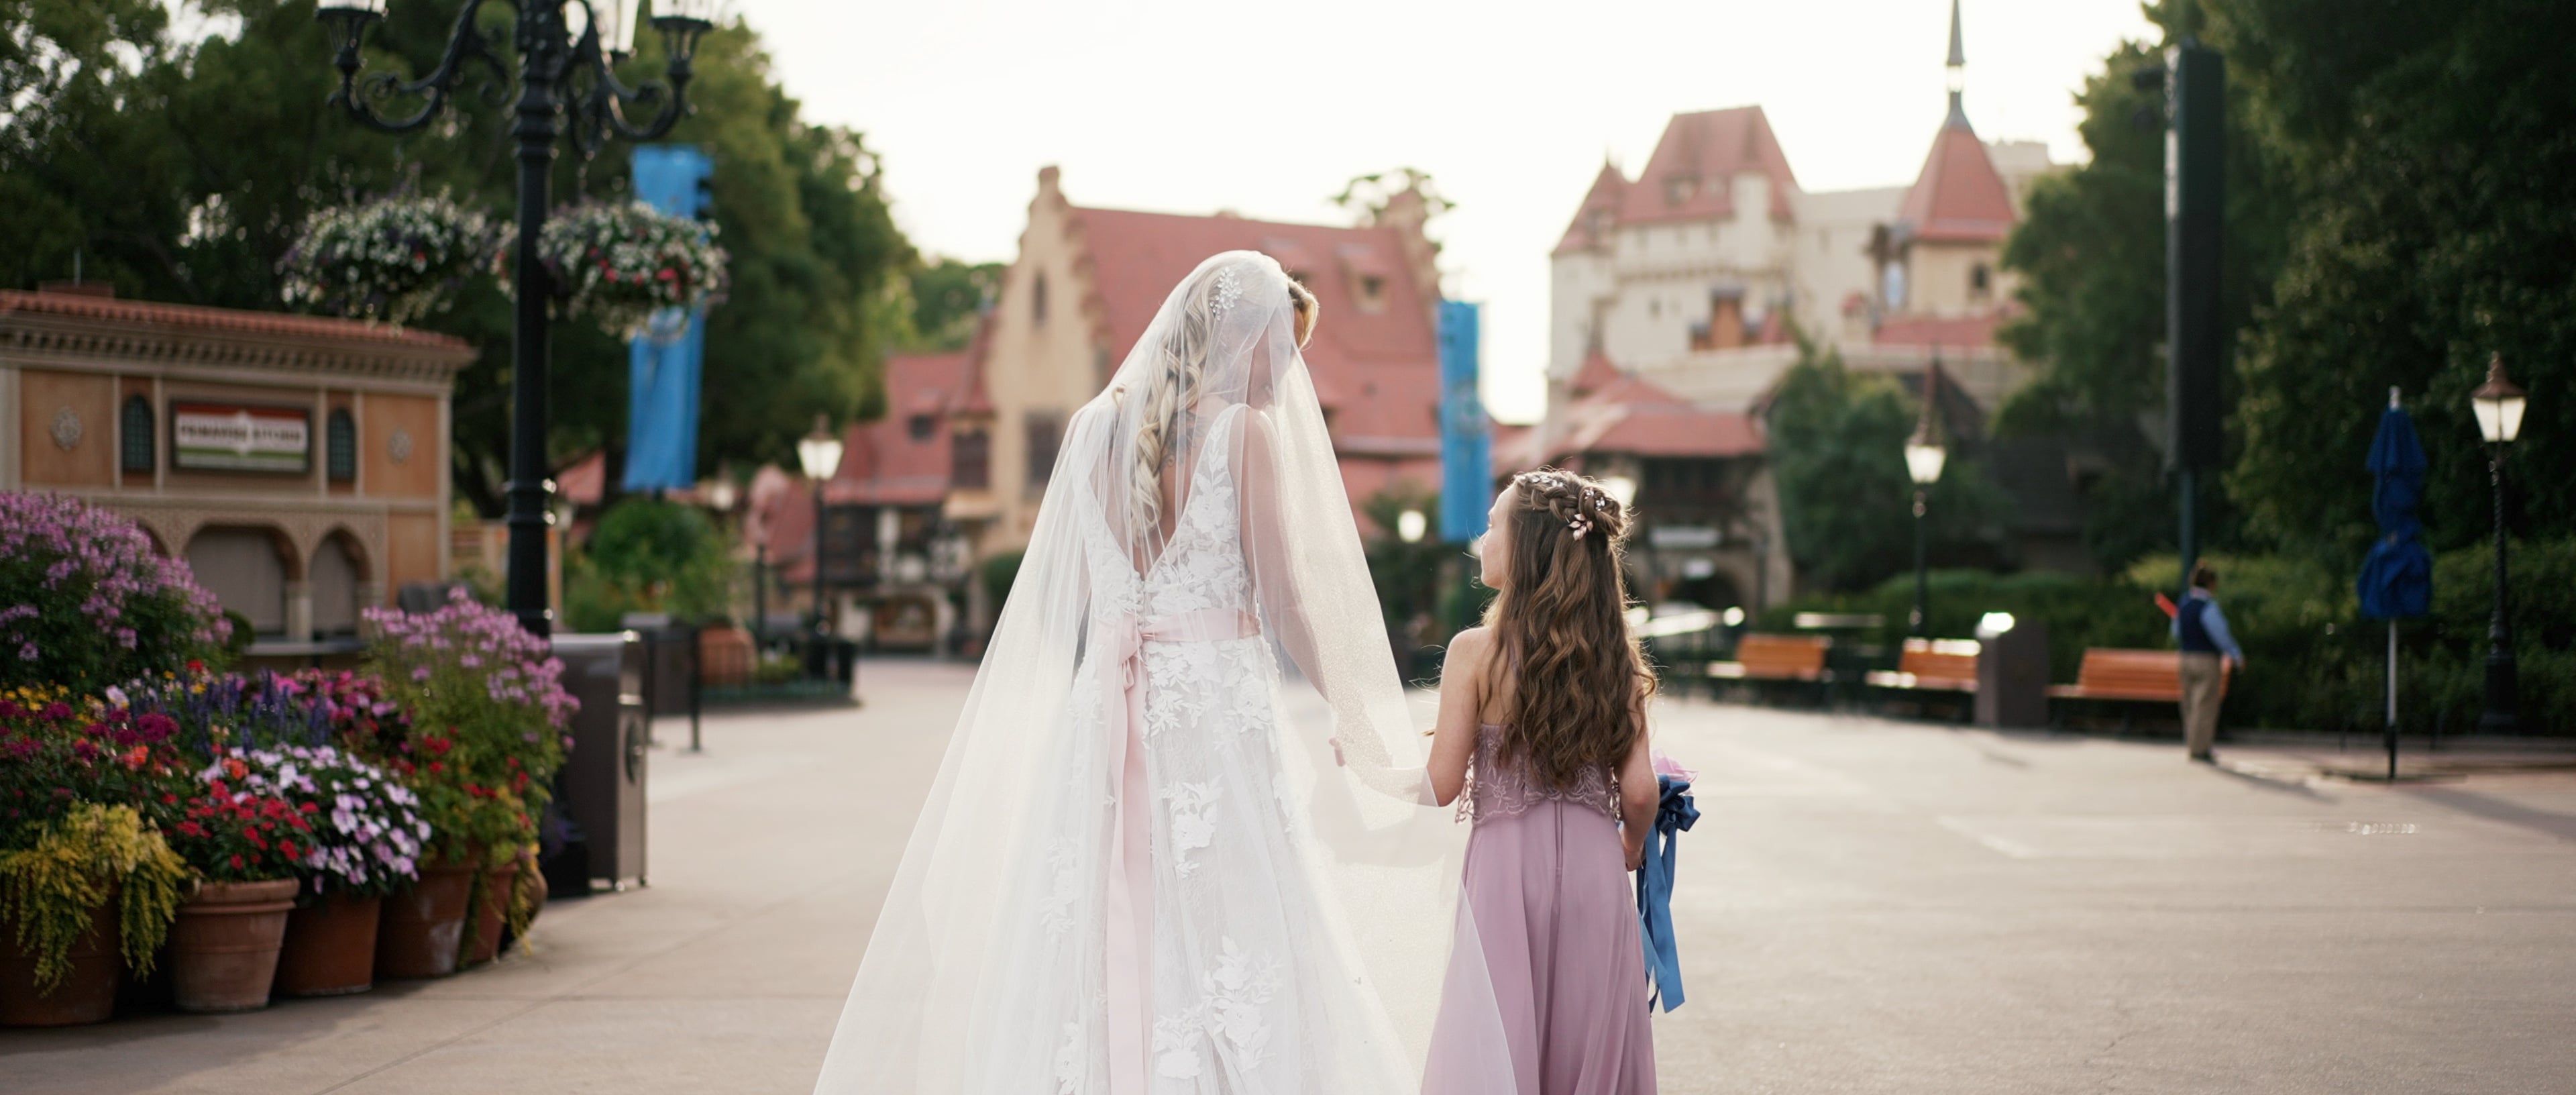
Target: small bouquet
[[364, 834], [621, 263], [396, 260]]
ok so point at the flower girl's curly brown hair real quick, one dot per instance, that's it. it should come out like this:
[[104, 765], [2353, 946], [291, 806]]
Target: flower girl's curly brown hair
[[1579, 678]]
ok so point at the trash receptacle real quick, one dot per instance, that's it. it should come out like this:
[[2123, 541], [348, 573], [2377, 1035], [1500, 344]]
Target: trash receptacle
[[602, 787], [2012, 671]]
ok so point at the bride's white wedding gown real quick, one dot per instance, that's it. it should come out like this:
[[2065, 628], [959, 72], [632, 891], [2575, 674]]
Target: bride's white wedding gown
[[1144, 867], [1249, 982]]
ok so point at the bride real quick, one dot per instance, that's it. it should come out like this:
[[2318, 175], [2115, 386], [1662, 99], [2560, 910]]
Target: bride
[[1182, 840]]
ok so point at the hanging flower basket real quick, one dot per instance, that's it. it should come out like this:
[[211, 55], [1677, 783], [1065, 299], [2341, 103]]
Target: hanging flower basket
[[618, 264], [395, 260]]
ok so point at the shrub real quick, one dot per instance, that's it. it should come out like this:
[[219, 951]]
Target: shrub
[[999, 572], [648, 556], [85, 603], [2080, 612]]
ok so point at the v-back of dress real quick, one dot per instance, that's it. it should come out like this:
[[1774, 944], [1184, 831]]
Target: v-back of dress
[[1246, 982]]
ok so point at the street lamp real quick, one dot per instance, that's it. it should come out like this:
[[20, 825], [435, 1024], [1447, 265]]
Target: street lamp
[[1923, 459], [2498, 405], [553, 52], [820, 453]]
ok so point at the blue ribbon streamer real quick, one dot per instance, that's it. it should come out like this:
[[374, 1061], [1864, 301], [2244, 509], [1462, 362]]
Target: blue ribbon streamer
[[1673, 814]]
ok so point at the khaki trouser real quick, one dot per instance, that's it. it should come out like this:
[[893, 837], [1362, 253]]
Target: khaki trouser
[[2200, 696]]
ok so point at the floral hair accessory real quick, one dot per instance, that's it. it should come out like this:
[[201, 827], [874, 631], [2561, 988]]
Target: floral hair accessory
[[1229, 289]]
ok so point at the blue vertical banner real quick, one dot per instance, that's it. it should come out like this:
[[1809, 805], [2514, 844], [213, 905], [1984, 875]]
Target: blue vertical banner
[[664, 365], [1466, 436]]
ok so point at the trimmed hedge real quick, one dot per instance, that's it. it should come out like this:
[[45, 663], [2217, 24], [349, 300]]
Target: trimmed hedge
[[2313, 662]]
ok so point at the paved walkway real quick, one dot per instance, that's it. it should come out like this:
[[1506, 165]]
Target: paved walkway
[[1868, 906]]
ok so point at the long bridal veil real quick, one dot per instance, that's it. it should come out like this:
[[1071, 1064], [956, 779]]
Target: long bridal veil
[[1217, 377]]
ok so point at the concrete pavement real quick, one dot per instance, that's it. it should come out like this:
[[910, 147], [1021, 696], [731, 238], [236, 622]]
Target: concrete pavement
[[1866, 906]]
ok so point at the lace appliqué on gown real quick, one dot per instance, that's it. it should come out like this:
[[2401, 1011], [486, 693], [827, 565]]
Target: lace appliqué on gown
[[1501, 788]]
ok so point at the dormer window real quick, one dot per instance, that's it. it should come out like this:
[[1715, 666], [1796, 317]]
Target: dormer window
[[1980, 281], [1679, 189]]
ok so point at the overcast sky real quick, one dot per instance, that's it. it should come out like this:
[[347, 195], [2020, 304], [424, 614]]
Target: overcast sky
[[1268, 108]]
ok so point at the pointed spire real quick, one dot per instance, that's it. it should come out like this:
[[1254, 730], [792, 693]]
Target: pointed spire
[[1958, 64], [1958, 56]]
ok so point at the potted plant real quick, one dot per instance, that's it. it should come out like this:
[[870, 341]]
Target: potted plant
[[366, 840], [488, 713], [396, 259], [87, 888], [620, 263], [244, 846]]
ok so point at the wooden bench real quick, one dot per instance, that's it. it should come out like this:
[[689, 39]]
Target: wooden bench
[[1796, 659], [1932, 665], [2132, 677]]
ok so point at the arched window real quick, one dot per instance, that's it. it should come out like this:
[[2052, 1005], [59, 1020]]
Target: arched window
[[340, 446], [1979, 279], [136, 442], [1037, 299]]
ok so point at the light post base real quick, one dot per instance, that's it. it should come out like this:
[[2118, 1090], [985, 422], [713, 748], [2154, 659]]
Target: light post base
[[2500, 716]]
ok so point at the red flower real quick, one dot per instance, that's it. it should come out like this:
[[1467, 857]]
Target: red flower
[[237, 863], [309, 808], [436, 767], [195, 666], [286, 848]]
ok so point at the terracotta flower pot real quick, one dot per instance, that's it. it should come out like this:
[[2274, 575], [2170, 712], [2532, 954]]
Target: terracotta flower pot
[[420, 927], [494, 914], [88, 992], [223, 948], [330, 947]]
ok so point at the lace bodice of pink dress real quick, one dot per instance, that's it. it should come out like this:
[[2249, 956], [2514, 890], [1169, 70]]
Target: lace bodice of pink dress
[[1497, 787]]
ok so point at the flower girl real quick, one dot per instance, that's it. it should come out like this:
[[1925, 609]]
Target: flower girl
[[1542, 733]]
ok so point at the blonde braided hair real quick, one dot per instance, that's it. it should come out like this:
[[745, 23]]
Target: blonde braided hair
[[1180, 366]]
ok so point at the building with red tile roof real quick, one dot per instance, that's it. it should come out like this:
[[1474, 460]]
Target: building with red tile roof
[[298, 463], [1694, 271], [1682, 291], [1088, 281]]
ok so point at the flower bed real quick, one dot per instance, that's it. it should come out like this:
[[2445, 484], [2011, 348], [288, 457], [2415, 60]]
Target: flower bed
[[145, 796]]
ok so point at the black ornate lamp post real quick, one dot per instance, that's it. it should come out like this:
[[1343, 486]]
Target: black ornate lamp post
[[1924, 456], [820, 453], [2498, 404], [559, 43]]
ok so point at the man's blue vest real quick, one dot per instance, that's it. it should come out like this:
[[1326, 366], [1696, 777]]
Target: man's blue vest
[[2195, 635]]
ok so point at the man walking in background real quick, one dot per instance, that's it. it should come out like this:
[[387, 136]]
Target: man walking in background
[[2202, 631]]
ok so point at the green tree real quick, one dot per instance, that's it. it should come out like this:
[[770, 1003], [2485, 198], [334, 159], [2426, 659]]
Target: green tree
[[2432, 152], [1838, 455], [942, 302], [2091, 255], [183, 171]]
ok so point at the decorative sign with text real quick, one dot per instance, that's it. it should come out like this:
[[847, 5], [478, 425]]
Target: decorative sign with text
[[240, 437]]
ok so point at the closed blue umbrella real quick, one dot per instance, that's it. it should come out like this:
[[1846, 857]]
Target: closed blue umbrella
[[2396, 579]]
